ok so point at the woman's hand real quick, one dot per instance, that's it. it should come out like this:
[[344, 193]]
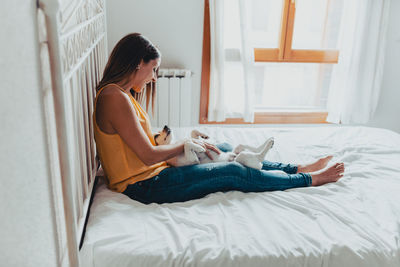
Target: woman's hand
[[207, 147]]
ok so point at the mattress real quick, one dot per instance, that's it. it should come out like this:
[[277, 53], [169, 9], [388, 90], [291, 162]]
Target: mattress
[[353, 222]]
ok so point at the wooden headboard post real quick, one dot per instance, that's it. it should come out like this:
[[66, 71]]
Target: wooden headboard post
[[77, 48]]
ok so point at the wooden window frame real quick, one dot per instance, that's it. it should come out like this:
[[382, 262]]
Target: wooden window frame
[[284, 53]]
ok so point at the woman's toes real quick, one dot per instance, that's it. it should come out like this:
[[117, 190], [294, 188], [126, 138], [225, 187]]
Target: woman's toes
[[340, 168]]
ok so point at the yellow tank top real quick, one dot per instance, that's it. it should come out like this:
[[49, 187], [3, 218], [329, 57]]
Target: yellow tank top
[[120, 164]]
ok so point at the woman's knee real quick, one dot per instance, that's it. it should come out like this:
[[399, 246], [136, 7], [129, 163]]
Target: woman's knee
[[224, 147]]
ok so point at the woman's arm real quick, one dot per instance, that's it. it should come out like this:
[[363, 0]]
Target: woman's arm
[[116, 109]]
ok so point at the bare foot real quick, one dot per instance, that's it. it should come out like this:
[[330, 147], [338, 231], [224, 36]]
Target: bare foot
[[332, 174], [318, 165]]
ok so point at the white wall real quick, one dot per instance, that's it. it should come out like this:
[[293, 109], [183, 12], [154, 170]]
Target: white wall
[[27, 229], [387, 114], [176, 27]]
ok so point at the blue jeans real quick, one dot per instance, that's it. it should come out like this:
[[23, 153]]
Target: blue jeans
[[176, 184]]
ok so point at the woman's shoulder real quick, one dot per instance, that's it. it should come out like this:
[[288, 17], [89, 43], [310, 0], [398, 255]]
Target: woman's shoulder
[[111, 100], [112, 90], [111, 105], [111, 94]]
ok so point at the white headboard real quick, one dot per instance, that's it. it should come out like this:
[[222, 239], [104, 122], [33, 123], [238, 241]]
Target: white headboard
[[74, 44]]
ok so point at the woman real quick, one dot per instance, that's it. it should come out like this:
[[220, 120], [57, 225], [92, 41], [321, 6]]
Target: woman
[[136, 167]]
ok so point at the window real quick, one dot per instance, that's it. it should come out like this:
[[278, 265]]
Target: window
[[294, 47]]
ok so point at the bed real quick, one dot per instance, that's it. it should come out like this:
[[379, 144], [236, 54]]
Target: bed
[[353, 222]]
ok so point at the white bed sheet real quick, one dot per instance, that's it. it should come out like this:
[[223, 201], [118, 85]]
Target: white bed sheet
[[353, 222]]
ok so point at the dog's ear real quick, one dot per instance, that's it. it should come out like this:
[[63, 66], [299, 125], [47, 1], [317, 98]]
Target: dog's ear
[[155, 138]]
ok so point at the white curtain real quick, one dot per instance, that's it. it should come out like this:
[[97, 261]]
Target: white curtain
[[231, 70], [216, 103], [247, 61], [357, 78]]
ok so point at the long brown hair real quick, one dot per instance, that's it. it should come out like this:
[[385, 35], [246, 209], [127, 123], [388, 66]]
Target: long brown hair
[[123, 61]]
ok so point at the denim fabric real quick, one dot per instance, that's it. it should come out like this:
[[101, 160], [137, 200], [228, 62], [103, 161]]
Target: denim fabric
[[176, 184], [225, 147]]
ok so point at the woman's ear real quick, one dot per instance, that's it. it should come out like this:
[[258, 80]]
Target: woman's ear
[[140, 65]]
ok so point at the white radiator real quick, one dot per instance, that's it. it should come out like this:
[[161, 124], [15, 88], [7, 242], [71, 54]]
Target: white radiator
[[174, 97]]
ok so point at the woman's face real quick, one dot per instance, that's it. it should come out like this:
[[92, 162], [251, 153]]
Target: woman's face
[[146, 73]]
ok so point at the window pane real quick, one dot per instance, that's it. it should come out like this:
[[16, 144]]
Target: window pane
[[231, 24], [316, 24], [234, 95], [265, 22], [292, 85]]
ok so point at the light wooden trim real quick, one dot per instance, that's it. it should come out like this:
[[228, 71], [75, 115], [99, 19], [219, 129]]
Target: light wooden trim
[[289, 30], [278, 118], [284, 23], [317, 56], [205, 69], [297, 55], [267, 55], [285, 53]]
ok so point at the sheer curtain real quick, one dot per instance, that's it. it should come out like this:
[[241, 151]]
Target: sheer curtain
[[231, 91], [355, 81], [216, 102], [357, 78]]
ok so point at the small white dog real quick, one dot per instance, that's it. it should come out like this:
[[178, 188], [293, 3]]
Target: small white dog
[[195, 154]]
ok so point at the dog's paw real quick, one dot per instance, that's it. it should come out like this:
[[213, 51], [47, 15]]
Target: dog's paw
[[231, 156], [196, 134], [239, 149], [270, 143]]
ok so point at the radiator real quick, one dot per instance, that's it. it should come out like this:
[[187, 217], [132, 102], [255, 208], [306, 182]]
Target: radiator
[[173, 100]]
